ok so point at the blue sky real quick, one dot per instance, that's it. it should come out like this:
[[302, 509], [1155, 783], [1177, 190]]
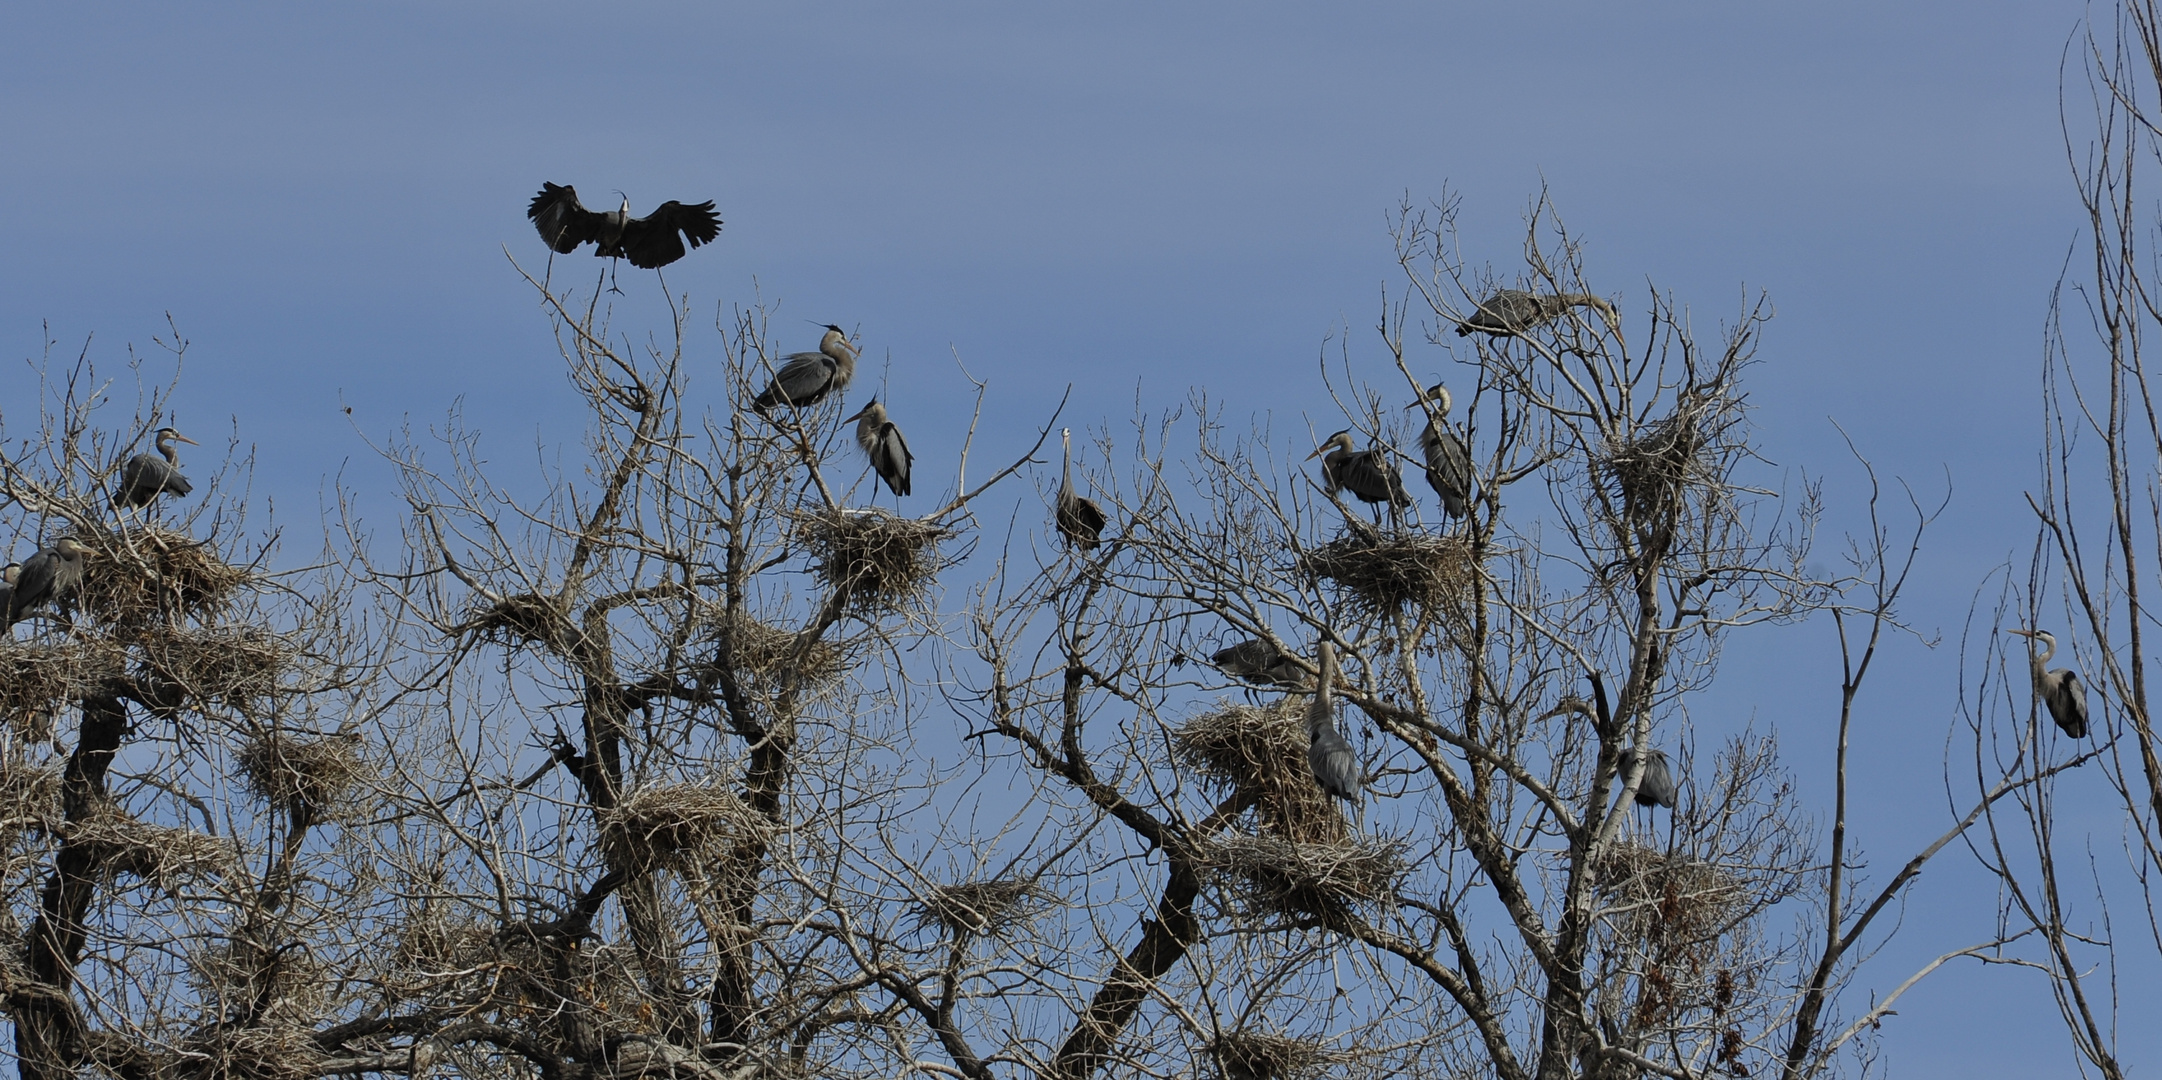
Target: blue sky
[[1139, 198]]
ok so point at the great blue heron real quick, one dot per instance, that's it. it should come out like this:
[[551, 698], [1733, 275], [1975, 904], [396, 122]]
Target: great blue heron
[[1656, 787], [2061, 689], [1367, 474], [649, 242], [805, 378], [51, 575], [1448, 461], [1257, 661], [1079, 519], [1336, 768], [8, 574], [882, 442], [1513, 311], [145, 476]]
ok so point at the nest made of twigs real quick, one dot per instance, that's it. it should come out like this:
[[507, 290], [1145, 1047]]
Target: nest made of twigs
[[765, 654], [1655, 893], [674, 825], [1301, 880], [29, 797], [1268, 1055], [263, 1052], [980, 907], [271, 983], [234, 665], [160, 855], [879, 559], [313, 777], [1384, 574], [523, 618], [36, 680], [145, 575], [1262, 747]]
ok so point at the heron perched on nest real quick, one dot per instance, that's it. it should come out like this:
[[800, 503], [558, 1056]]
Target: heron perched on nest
[[1257, 661], [2061, 689], [50, 576], [146, 476], [1079, 519], [1513, 311], [649, 242], [805, 378], [882, 442], [1448, 460], [1367, 473], [1336, 767]]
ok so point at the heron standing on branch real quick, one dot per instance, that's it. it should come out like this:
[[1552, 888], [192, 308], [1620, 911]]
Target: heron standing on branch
[[649, 242], [1079, 519], [1448, 460], [2061, 689], [1257, 661], [145, 477], [1513, 311], [50, 576], [805, 378], [1656, 788], [1336, 767], [882, 442], [1367, 474]]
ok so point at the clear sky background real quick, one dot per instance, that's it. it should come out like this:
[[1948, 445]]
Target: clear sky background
[[1138, 198]]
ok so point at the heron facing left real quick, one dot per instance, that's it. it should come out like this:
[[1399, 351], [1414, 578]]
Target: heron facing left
[[882, 442], [145, 476], [649, 242], [2061, 689]]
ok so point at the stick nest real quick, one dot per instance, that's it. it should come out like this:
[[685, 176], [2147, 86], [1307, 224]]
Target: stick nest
[[525, 617], [235, 666], [36, 680], [146, 575], [681, 824], [29, 798], [980, 907], [274, 985], [269, 1052], [311, 777], [1670, 897], [880, 560], [1267, 1055], [160, 855], [763, 654], [1304, 880], [1262, 747], [1384, 574]]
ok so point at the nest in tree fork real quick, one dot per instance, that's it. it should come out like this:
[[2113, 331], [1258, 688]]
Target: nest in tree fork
[[235, 666], [264, 1052], [145, 575], [764, 654], [36, 680], [1385, 573], [524, 617], [1262, 748], [1267, 1055], [29, 798], [311, 777], [681, 825], [1652, 469], [160, 855], [880, 560], [1671, 897], [979, 907], [1320, 881]]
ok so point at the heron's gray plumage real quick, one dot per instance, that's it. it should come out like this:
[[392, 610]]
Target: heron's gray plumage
[[1367, 474], [1079, 519], [1656, 788], [805, 378], [883, 444], [1257, 661], [1512, 311], [1448, 460], [1336, 767], [7, 588], [50, 576], [2060, 690], [649, 242], [147, 476]]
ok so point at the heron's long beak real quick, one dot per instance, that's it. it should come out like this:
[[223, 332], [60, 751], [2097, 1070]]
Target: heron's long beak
[[2022, 633], [1317, 452], [859, 414], [185, 439]]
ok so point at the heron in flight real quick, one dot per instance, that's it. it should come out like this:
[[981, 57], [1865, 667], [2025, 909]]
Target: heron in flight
[[1079, 519], [649, 242], [1367, 474], [805, 378], [2061, 689], [1448, 460], [1336, 767], [882, 442], [1513, 311], [145, 476], [50, 576]]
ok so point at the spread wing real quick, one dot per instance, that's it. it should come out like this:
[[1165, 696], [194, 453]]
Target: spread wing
[[651, 242], [563, 221]]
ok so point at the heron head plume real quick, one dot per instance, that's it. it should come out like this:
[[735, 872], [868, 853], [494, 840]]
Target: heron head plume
[[1438, 396]]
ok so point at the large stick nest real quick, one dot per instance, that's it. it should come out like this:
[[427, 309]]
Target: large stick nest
[[1672, 897], [1321, 881], [235, 666], [267, 1052], [676, 825], [1262, 748], [273, 984], [29, 797], [160, 855], [980, 907], [1267, 1055], [147, 575], [36, 680], [1385, 573], [880, 560], [765, 655], [522, 618], [311, 777]]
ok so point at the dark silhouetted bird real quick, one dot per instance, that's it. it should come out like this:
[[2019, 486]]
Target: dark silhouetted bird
[[805, 378], [146, 476], [649, 242], [1367, 474], [1657, 786], [1079, 519], [51, 576], [1257, 661], [1513, 311]]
